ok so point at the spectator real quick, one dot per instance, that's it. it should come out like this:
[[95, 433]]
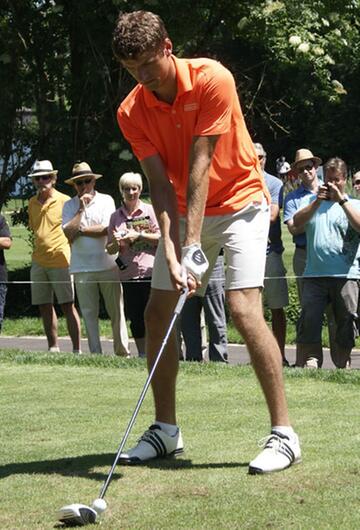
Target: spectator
[[332, 223], [85, 222], [275, 285], [5, 244], [213, 304], [284, 173], [304, 168], [356, 183], [184, 123], [309, 184], [133, 234], [51, 256]]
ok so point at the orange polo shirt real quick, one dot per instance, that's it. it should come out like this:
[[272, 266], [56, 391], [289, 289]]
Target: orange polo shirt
[[206, 104]]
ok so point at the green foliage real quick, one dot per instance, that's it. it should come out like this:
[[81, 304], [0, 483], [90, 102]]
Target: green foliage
[[296, 66]]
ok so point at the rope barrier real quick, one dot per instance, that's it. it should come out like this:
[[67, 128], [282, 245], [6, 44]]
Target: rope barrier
[[141, 280]]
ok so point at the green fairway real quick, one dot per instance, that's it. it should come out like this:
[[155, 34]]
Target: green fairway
[[63, 418]]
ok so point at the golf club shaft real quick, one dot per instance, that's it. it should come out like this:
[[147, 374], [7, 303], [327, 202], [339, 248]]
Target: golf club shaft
[[176, 313]]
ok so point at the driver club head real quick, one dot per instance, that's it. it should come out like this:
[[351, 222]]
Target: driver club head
[[77, 515]]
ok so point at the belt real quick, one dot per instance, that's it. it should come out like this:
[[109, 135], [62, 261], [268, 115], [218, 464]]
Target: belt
[[303, 247]]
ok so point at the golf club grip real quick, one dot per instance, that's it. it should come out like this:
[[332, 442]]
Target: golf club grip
[[177, 311]]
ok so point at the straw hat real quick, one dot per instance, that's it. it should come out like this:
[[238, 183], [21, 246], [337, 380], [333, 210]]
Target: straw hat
[[42, 167], [305, 154], [80, 170]]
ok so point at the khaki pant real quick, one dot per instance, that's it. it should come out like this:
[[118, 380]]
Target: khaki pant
[[88, 286]]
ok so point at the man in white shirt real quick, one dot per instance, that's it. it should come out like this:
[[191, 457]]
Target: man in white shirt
[[85, 221]]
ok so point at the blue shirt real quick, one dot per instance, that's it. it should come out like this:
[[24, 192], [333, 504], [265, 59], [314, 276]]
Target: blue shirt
[[333, 247], [292, 205], [275, 187]]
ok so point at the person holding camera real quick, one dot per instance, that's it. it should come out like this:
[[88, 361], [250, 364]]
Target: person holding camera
[[85, 220], [133, 235], [332, 224]]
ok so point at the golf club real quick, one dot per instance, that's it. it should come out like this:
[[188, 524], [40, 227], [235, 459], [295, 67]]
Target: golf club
[[80, 514]]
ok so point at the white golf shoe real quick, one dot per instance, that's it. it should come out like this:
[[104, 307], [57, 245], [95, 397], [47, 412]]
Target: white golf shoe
[[154, 443], [279, 452]]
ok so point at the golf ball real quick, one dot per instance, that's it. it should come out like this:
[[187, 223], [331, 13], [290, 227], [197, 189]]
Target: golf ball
[[99, 505]]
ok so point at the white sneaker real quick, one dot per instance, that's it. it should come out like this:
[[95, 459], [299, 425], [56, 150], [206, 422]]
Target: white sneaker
[[154, 443], [279, 452], [312, 362]]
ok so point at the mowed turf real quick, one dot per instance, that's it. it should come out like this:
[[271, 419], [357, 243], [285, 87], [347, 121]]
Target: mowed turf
[[62, 419]]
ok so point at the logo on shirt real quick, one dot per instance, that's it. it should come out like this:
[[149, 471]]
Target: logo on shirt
[[191, 106]]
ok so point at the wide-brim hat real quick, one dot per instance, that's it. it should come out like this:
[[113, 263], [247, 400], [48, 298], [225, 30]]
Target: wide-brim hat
[[43, 167], [81, 170], [305, 154]]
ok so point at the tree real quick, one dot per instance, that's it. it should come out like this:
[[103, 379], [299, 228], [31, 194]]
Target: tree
[[295, 63]]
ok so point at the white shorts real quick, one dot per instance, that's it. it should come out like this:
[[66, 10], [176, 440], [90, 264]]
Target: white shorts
[[243, 236]]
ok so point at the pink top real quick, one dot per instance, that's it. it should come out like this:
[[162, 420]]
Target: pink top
[[139, 257]]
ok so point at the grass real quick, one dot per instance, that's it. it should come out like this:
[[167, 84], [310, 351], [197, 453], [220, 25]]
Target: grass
[[63, 418]]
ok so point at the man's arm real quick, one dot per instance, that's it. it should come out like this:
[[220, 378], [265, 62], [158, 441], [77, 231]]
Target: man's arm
[[164, 202], [274, 212], [294, 230], [201, 153], [72, 227], [305, 214]]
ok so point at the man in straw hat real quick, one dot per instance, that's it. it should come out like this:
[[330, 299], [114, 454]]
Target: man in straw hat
[[184, 123], [304, 169], [85, 222], [332, 223], [51, 256]]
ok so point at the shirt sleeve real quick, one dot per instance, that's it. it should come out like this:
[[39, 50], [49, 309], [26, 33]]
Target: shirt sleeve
[[216, 104], [289, 209], [140, 143]]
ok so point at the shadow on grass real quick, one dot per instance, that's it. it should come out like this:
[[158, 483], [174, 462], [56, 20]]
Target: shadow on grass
[[83, 466]]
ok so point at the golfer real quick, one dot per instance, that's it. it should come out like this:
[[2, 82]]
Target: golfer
[[184, 123]]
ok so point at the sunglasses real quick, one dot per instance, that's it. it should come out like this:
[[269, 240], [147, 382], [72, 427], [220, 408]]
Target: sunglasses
[[83, 182], [308, 167], [356, 182], [43, 177]]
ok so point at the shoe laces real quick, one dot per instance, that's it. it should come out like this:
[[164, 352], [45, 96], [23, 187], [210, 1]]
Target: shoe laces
[[149, 433], [273, 442]]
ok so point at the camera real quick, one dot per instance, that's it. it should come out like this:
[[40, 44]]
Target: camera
[[120, 263]]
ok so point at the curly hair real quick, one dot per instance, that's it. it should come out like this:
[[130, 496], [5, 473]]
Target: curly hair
[[136, 33]]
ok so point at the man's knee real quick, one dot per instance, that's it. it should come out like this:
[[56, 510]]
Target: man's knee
[[245, 305]]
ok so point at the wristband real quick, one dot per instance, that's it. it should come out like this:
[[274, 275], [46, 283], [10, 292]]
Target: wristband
[[194, 260], [343, 201]]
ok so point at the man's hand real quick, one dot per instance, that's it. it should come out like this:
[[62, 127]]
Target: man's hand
[[334, 192], [323, 193], [85, 200], [194, 261], [181, 279]]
